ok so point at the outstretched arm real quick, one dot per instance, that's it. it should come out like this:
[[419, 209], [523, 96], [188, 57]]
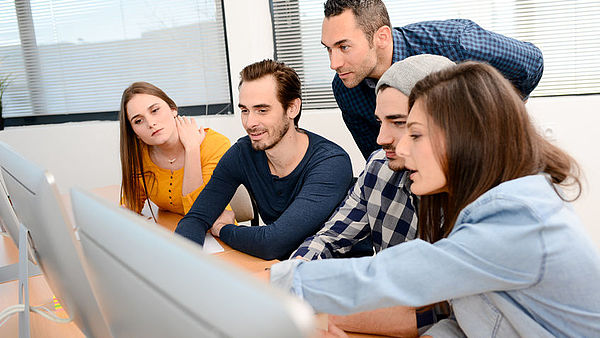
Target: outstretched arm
[[212, 200], [324, 186]]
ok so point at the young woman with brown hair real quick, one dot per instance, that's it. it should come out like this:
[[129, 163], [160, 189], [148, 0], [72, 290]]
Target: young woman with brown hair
[[164, 156], [498, 239]]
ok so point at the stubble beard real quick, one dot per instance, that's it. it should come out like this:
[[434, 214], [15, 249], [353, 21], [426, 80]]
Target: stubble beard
[[395, 164], [361, 73], [279, 133]]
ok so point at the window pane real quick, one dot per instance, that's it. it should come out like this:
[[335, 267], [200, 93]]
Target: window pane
[[89, 51], [566, 32]]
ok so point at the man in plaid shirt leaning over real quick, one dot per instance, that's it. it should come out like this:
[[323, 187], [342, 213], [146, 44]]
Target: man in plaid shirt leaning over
[[380, 206]]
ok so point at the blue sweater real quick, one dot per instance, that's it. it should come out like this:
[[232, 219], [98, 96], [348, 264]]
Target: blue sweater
[[293, 207]]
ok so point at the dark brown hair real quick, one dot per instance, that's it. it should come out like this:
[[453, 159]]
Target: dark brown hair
[[488, 139], [370, 15], [131, 148], [288, 83]]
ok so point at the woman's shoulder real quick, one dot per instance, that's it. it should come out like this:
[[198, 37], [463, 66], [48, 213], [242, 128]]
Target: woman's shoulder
[[529, 196], [213, 137]]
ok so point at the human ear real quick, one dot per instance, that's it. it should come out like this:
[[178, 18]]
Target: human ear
[[382, 37], [294, 108]]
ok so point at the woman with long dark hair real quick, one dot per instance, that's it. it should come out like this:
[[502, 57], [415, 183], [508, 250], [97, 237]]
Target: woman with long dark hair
[[164, 157], [498, 238]]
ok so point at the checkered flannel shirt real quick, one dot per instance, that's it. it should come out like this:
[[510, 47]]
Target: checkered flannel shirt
[[379, 205], [459, 40]]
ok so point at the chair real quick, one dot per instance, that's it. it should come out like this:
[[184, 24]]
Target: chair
[[244, 207]]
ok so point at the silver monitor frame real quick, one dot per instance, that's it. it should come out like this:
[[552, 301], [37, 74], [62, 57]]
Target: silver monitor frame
[[150, 282], [12, 227], [38, 205]]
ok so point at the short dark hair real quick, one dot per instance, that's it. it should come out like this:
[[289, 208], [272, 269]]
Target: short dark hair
[[288, 83], [370, 14]]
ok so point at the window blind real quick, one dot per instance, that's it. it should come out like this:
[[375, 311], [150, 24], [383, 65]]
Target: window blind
[[72, 57], [566, 32]]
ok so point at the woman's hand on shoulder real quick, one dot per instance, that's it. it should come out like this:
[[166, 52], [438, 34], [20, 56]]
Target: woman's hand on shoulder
[[189, 134]]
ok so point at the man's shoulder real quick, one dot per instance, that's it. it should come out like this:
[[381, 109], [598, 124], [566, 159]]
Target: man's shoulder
[[321, 145], [440, 24]]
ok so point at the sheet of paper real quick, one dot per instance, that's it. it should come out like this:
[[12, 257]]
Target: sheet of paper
[[211, 245]]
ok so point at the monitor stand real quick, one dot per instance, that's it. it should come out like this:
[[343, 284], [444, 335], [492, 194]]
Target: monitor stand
[[10, 272], [24, 263]]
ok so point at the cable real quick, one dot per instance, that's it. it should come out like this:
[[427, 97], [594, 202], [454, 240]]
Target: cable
[[49, 314], [9, 311], [41, 310]]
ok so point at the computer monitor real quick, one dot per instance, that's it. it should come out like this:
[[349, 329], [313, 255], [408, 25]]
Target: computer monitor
[[10, 225], [37, 204], [150, 282], [8, 220]]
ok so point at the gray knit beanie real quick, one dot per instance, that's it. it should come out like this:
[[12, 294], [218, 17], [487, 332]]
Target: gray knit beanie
[[404, 74]]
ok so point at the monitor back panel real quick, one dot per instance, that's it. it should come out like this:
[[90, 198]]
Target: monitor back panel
[[37, 204], [152, 283]]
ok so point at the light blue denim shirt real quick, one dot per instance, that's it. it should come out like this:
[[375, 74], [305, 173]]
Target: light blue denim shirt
[[517, 262]]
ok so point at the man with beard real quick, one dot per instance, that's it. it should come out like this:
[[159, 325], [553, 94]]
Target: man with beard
[[362, 45], [296, 177], [380, 208]]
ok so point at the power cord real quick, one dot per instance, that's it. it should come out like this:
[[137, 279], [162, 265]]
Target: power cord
[[40, 310]]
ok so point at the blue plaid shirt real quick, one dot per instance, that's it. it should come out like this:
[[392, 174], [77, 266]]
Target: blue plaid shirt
[[379, 206], [459, 40]]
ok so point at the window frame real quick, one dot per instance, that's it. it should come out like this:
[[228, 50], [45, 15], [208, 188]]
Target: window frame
[[226, 108]]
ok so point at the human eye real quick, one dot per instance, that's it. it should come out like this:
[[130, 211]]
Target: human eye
[[137, 121], [400, 123], [415, 136], [344, 48]]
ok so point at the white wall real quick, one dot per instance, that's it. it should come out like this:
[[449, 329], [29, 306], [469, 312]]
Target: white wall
[[87, 154]]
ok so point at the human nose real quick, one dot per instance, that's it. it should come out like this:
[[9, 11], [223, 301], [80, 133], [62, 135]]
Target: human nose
[[151, 122], [251, 120], [384, 137], [335, 60], [402, 146]]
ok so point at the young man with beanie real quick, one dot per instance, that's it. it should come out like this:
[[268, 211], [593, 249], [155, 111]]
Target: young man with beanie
[[380, 207], [362, 45]]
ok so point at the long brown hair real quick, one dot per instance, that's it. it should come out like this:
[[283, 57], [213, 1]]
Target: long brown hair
[[131, 148], [488, 137]]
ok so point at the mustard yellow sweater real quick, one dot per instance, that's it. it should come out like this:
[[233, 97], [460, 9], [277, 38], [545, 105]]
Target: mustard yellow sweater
[[165, 189]]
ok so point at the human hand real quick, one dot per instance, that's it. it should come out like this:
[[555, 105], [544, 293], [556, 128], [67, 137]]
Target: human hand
[[332, 332], [189, 134], [226, 217]]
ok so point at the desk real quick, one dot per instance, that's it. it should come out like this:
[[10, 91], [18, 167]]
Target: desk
[[40, 293], [169, 221]]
